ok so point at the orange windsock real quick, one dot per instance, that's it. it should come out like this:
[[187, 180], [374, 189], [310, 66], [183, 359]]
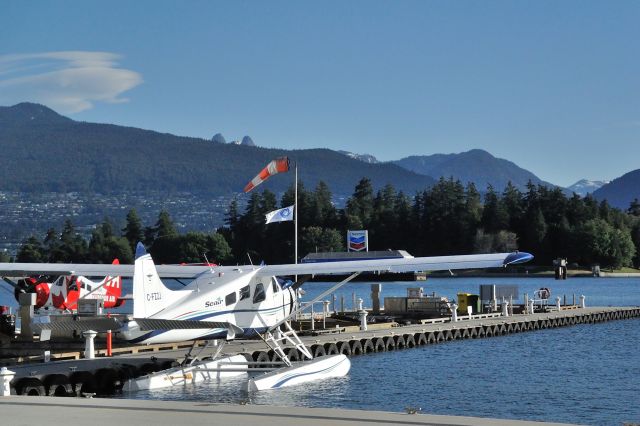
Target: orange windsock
[[278, 165]]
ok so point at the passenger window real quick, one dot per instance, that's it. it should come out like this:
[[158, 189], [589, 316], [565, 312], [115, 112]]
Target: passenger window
[[230, 298], [259, 295], [274, 285], [245, 293]]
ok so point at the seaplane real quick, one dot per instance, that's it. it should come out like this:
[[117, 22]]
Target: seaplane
[[62, 293], [227, 302]]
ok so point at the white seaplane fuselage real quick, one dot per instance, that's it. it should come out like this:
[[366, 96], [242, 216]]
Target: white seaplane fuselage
[[253, 303]]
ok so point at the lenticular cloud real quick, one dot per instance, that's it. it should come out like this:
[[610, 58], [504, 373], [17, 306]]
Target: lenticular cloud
[[69, 81]]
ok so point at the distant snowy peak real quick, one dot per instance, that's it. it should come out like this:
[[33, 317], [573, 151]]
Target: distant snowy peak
[[585, 186], [366, 158], [246, 141]]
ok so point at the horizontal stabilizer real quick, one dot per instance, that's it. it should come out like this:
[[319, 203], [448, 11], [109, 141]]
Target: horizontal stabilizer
[[167, 324], [69, 324]]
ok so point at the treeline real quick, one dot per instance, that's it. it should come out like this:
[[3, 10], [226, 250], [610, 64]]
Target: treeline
[[447, 218], [162, 240]]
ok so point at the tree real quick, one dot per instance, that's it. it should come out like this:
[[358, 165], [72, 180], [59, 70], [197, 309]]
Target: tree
[[494, 215], [635, 237], [133, 231], [316, 239], [601, 243], [161, 238], [51, 247], [104, 246], [31, 250], [73, 247], [634, 208], [218, 248], [360, 206]]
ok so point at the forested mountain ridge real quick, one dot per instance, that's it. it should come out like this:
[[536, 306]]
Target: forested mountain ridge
[[621, 191], [477, 166], [44, 151]]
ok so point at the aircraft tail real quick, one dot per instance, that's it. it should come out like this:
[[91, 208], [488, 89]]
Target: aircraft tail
[[113, 288], [150, 295]]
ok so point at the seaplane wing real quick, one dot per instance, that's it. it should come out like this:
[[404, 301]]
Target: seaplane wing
[[439, 263], [411, 264], [94, 270]]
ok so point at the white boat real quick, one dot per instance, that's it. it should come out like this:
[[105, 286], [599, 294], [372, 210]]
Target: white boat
[[231, 366], [302, 372]]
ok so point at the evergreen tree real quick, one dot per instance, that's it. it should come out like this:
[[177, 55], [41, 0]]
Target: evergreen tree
[[360, 206], [634, 208], [51, 247], [73, 247], [31, 250], [494, 215], [163, 236], [133, 231]]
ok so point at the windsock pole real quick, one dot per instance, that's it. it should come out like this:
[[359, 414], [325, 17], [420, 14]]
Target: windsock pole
[[295, 217]]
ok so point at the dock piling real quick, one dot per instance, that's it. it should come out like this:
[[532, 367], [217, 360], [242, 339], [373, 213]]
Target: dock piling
[[363, 316], [6, 376], [89, 347]]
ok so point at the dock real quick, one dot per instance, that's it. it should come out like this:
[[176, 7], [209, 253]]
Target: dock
[[103, 375], [107, 412]]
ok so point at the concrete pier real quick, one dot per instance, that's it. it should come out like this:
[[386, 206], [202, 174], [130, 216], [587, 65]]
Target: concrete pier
[[107, 412]]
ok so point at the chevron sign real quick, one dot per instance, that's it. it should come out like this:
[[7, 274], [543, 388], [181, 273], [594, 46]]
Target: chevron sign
[[357, 241]]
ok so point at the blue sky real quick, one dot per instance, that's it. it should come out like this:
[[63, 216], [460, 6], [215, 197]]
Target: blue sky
[[553, 86]]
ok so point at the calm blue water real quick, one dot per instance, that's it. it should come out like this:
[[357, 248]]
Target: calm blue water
[[598, 292], [585, 374], [588, 374]]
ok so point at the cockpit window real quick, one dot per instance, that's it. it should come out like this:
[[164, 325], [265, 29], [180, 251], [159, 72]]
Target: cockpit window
[[245, 292], [275, 285], [230, 298], [259, 295]]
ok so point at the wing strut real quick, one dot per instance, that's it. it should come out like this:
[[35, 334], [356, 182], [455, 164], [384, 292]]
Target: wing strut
[[274, 339], [321, 296]]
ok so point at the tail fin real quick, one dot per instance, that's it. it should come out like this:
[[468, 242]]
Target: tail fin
[[150, 295], [113, 289]]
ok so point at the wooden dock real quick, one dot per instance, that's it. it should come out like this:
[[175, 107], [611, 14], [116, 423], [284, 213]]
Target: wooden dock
[[103, 375]]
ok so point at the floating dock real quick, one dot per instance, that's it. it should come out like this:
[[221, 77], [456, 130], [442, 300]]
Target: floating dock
[[105, 375]]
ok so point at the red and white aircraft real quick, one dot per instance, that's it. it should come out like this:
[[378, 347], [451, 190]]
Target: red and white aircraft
[[63, 293]]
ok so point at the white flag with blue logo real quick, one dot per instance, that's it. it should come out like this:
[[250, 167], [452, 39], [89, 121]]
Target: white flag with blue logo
[[280, 215]]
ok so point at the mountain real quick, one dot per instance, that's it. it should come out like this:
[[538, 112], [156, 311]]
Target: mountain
[[247, 141], [585, 186], [28, 114], [477, 166], [622, 191], [367, 158], [44, 151], [218, 138]]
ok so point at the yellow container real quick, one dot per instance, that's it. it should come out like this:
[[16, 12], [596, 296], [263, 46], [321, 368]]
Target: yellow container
[[467, 299]]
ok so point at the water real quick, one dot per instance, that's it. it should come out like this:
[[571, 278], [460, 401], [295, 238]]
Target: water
[[586, 374], [598, 292]]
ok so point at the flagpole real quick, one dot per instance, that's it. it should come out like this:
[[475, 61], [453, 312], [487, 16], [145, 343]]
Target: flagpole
[[295, 212]]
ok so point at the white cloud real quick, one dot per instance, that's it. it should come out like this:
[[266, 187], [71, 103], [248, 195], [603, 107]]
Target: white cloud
[[68, 82]]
